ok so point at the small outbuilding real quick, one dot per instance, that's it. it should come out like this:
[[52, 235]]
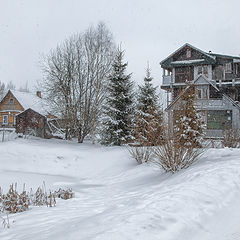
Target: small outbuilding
[[31, 122]]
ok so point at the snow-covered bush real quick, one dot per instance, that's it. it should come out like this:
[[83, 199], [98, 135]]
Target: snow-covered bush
[[172, 156], [14, 202], [64, 194], [141, 154]]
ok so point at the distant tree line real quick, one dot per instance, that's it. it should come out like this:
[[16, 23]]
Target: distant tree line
[[11, 86]]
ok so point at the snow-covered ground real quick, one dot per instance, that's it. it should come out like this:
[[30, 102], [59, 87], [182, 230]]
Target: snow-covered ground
[[117, 199]]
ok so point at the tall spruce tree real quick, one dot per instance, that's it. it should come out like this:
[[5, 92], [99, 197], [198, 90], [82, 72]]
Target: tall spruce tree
[[149, 117], [117, 120], [188, 129]]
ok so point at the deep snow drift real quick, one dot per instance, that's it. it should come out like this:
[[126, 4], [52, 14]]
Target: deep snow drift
[[117, 199]]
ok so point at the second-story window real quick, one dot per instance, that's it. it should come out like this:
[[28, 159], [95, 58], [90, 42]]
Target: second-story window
[[203, 69], [11, 100], [228, 67], [188, 53]]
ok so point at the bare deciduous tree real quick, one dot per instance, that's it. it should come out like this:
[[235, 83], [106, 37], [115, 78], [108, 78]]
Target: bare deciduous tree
[[75, 79]]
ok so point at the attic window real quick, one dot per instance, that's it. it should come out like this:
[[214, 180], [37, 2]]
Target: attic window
[[11, 100], [188, 53]]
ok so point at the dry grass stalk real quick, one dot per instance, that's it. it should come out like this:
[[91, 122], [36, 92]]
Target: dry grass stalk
[[14, 202]]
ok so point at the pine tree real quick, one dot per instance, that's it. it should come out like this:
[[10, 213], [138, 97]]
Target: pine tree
[[149, 117], [188, 127], [117, 120]]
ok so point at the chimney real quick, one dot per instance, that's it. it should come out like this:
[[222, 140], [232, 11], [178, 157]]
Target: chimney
[[39, 94]]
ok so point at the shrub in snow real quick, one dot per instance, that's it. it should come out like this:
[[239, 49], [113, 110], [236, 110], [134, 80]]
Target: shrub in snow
[[231, 138], [14, 202], [172, 156], [141, 154], [64, 194]]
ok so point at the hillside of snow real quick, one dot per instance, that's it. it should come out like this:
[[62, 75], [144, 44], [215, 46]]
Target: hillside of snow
[[116, 199]]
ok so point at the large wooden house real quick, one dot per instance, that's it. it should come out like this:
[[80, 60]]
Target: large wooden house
[[26, 112], [216, 78]]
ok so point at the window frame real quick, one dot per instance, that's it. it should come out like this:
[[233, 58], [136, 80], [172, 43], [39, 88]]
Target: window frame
[[202, 69], [228, 67], [3, 122]]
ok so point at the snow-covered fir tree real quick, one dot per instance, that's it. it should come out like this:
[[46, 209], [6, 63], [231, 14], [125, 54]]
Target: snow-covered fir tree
[[189, 127], [149, 117], [118, 113]]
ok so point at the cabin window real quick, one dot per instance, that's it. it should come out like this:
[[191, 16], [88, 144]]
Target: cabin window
[[202, 93], [14, 120], [228, 67], [188, 53], [219, 119], [5, 119], [11, 100]]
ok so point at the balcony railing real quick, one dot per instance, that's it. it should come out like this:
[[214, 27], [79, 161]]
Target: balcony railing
[[167, 79]]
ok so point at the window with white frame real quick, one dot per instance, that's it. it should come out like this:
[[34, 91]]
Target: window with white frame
[[5, 119], [202, 69], [11, 100], [228, 67], [202, 93]]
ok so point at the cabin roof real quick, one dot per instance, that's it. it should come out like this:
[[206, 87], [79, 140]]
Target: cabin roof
[[31, 100]]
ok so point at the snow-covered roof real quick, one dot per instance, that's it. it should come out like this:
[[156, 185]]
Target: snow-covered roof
[[188, 61], [188, 45], [31, 100]]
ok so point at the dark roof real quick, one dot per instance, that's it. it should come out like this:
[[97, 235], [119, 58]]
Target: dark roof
[[209, 59]]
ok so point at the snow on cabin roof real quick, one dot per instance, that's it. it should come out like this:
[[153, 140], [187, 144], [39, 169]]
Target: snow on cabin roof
[[188, 61], [31, 100]]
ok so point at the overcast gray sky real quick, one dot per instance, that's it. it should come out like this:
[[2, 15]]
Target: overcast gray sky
[[149, 30]]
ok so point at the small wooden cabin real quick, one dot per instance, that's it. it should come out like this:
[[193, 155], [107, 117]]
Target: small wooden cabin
[[27, 112], [9, 108], [32, 122]]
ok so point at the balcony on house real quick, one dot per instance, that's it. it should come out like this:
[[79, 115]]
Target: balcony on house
[[167, 78]]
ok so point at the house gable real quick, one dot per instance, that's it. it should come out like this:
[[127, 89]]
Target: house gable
[[187, 55], [10, 103]]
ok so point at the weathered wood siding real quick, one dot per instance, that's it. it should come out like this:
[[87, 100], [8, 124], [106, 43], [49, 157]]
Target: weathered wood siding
[[31, 122], [182, 55], [11, 107]]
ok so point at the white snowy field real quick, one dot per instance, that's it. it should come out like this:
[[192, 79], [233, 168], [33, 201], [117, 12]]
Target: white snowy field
[[116, 199]]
